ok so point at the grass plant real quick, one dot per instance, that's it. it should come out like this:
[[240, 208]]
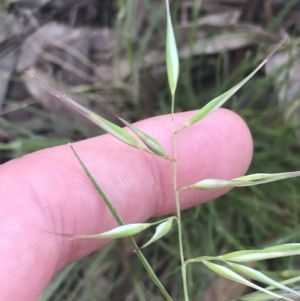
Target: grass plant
[[227, 265]]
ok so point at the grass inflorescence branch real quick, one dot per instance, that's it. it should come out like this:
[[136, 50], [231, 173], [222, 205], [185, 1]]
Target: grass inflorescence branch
[[229, 265]]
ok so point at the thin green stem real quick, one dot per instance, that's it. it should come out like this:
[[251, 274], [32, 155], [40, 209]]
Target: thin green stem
[[119, 220], [149, 269], [177, 200]]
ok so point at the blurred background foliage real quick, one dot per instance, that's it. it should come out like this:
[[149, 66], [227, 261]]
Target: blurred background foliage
[[109, 55]]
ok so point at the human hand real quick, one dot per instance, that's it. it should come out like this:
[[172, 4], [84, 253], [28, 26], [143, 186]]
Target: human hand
[[48, 192]]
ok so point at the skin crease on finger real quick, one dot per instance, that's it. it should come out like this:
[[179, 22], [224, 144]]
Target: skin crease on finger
[[47, 192]]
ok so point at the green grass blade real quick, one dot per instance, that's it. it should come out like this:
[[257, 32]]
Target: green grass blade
[[249, 180], [171, 53], [256, 275], [118, 218], [220, 100], [227, 273]]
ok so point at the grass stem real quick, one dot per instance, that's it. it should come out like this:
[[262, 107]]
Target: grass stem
[[119, 220], [177, 200]]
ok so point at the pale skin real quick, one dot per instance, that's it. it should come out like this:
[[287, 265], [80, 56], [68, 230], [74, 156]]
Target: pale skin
[[47, 192]]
